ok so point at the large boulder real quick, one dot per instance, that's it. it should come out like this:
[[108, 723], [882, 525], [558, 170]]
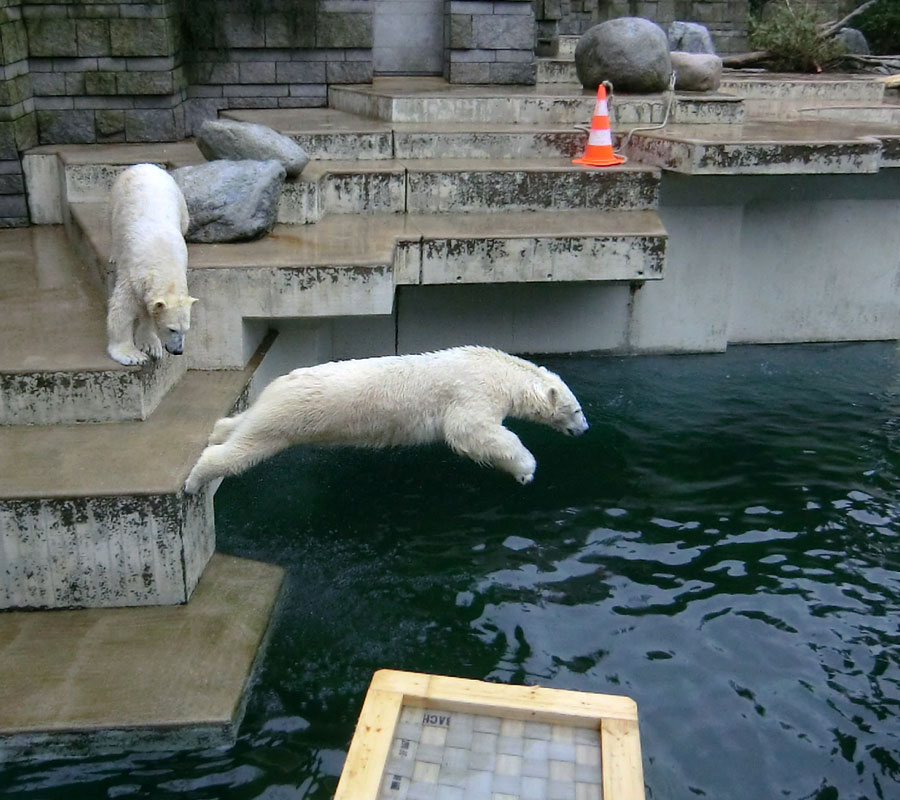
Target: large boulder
[[239, 141], [854, 41], [630, 52], [696, 72], [690, 37], [231, 201]]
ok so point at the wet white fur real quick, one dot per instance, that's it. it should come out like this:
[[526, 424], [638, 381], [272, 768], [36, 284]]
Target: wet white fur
[[149, 306], [459, 396]]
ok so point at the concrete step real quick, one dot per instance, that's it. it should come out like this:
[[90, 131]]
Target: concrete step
[[463, 186], [96, 681], [556, 70], [327, 134], [350, 265], [93, 515], [53, 364], [566, 44], [764, 147], [432, 100], [394, 186], [784, 96]]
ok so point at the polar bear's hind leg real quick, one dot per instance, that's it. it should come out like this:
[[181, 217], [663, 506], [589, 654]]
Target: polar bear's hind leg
[[234, 456], [224, 428]]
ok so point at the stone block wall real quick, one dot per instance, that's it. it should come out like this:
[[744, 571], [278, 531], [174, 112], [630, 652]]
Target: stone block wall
[[282, 56], [727, 20], [489, 42], [18, 131], [106, 72]]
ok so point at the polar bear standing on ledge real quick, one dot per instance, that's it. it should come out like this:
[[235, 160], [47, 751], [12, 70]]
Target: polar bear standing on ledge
[[459, 396], [149, 307]]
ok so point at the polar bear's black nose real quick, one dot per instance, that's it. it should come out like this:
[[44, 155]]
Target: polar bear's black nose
[[175, 351]]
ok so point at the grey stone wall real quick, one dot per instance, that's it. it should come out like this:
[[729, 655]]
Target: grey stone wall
[[727, 20], [18, 130], [282, 56], [106, 72], [489, 42]]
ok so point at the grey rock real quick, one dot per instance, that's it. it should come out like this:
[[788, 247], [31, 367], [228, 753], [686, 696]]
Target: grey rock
[[854, 41], [690, 37], [237, 141], [630, 52], [231, 201], [696, 72]]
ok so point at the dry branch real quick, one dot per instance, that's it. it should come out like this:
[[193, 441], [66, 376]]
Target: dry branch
[[832, 28]]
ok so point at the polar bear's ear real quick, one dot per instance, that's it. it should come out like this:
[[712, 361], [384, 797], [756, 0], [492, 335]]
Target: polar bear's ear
[[193, 300], [552, 395], [158, 305]]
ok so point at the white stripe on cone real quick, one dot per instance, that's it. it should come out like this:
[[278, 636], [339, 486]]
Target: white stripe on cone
[[600, 137], [601, 109]]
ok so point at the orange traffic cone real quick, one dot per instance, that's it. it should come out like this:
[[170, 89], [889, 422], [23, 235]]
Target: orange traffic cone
[[599, 151]]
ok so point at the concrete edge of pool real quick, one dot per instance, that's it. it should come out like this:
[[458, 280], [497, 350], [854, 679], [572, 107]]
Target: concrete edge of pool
[[89, 681]]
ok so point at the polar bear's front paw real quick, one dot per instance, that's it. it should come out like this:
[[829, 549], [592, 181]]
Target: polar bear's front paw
[[523, 470], [152, 346], [127, 355]]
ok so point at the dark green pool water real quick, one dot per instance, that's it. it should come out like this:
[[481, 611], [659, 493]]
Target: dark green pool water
[[722, 546]]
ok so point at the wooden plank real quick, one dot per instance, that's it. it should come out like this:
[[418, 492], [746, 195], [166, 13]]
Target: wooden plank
[[363, 769], [519, 702], [623, 772]]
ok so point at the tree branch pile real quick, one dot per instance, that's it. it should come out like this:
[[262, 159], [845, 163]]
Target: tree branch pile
[[758, 58]]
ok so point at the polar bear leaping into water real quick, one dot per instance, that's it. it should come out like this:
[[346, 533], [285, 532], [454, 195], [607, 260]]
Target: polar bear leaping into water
[[149, 307], [459, 396]]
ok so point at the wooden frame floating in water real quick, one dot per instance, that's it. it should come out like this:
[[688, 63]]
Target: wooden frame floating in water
[[430, 737]]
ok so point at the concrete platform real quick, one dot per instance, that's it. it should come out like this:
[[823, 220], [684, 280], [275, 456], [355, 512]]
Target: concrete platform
[[433, 100], [53, 364], [774, 95], [89, 681], [764, 147]]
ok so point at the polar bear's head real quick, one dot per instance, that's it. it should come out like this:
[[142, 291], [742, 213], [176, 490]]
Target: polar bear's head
[[556, 406], [171, 314]]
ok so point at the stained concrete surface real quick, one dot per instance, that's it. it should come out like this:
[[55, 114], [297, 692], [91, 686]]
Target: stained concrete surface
[[149, 457], [164, 674], [52, 310]]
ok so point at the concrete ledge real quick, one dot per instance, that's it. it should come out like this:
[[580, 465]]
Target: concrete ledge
[[330, 135], [96, 552], [349, 266], [93, 681], [763, 148], [783, 95], [31, 397], [420, 185], [579, 246], [432, 100]]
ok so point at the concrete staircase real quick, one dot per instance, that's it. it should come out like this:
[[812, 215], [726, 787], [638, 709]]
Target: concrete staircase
[[91, 512]]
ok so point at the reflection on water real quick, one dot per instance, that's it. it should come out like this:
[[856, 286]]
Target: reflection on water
[[722, 546]]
